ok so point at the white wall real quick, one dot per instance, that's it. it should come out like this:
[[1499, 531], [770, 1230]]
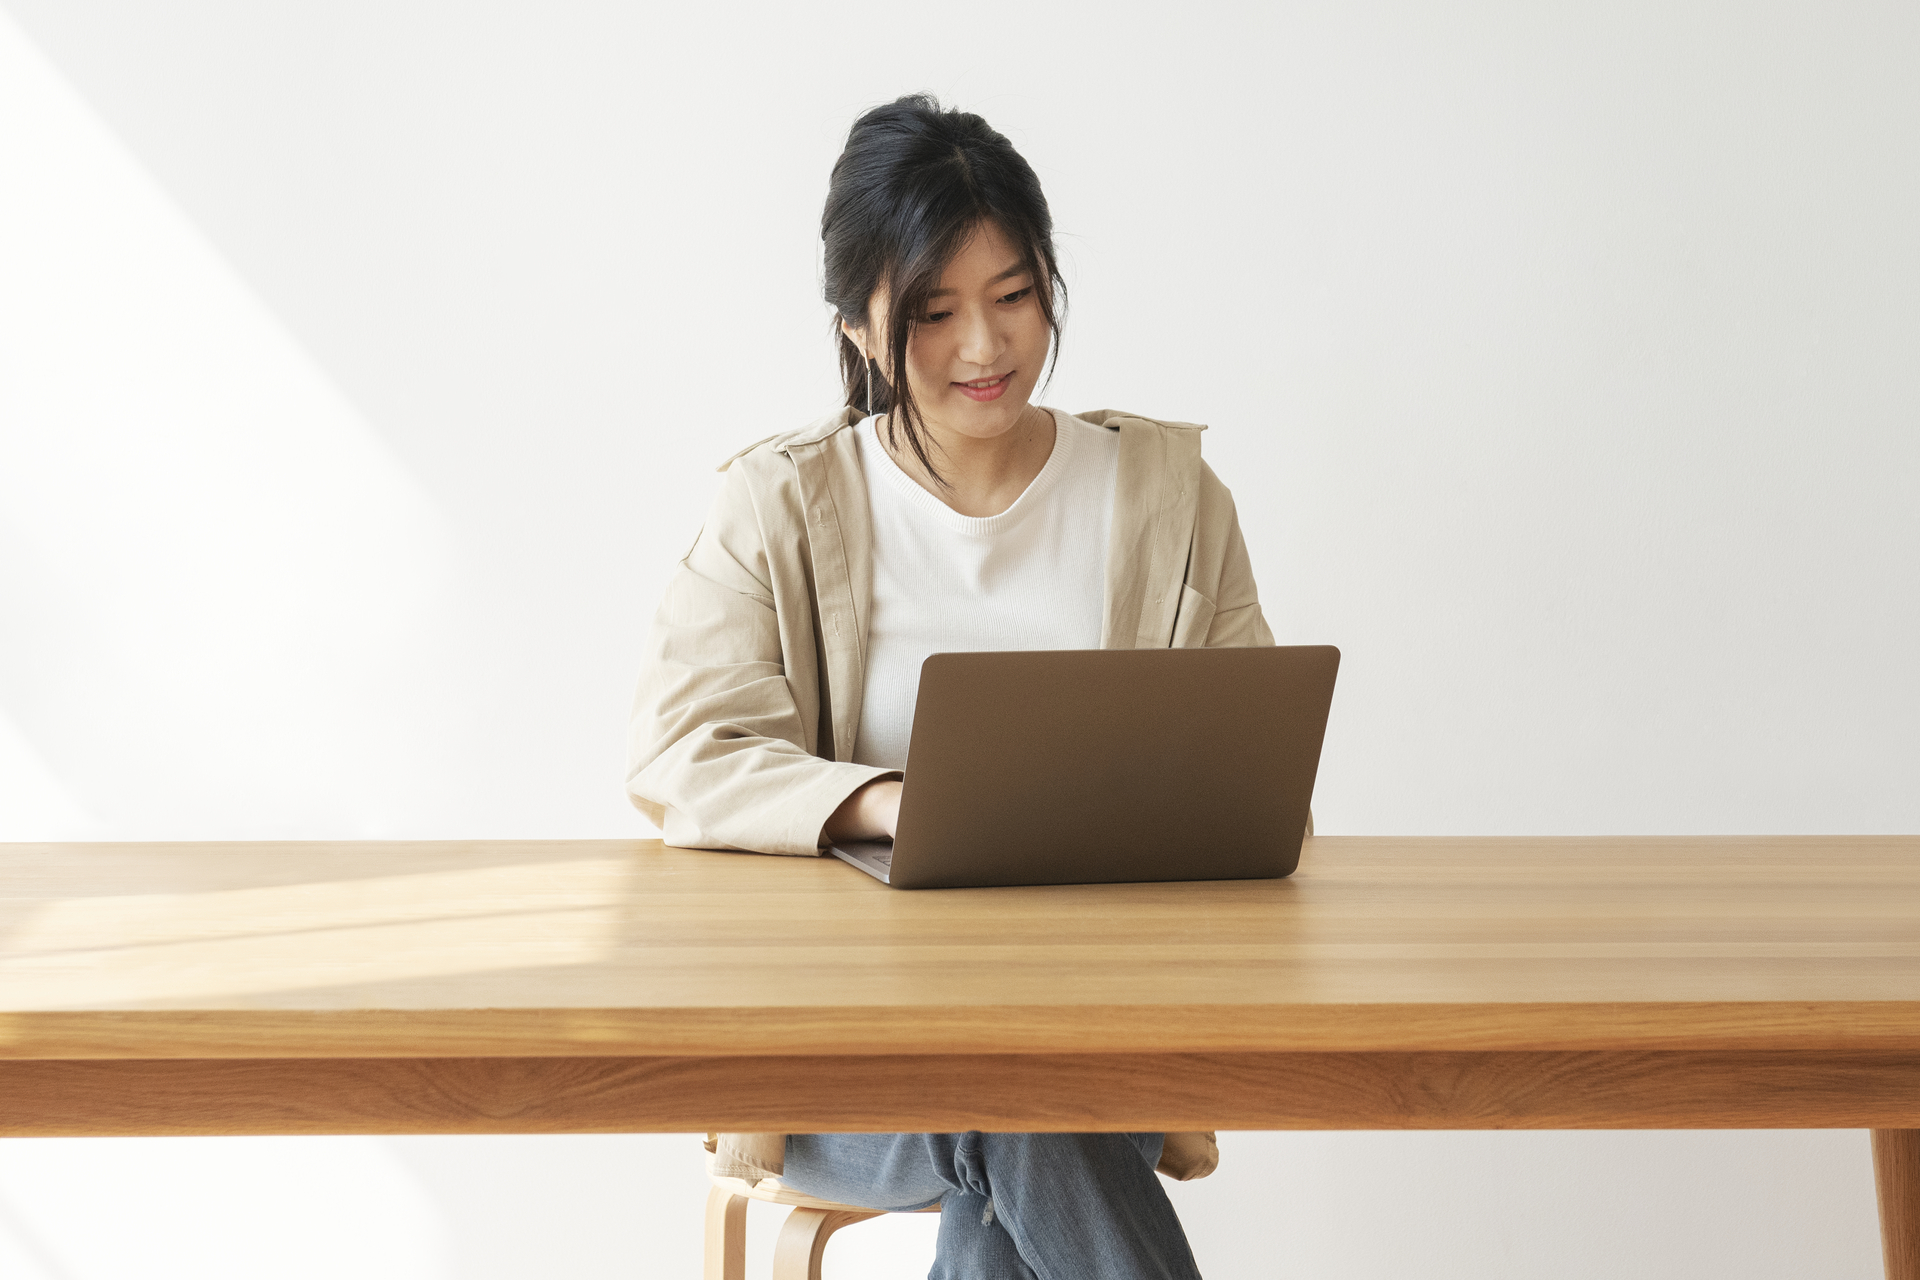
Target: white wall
[[362, 367]]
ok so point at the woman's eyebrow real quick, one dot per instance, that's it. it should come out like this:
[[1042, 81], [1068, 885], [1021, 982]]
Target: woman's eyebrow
[[1017, 269]]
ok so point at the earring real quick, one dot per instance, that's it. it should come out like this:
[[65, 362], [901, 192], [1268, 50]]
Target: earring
[[869, 385]]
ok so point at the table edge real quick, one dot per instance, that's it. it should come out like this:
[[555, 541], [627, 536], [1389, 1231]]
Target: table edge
[[1890, 1025]]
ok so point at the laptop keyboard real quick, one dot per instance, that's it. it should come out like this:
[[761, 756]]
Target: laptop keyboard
[[875, 857]]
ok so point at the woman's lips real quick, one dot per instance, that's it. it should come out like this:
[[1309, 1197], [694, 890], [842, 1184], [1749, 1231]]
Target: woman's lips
[[992, 391]]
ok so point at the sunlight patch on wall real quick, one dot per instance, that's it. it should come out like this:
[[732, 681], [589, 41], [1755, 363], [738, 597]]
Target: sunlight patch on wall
[[214, 1209], [217, 583], [34, 804]]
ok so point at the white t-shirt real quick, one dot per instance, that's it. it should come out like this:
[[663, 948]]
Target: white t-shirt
[[1032, 577]]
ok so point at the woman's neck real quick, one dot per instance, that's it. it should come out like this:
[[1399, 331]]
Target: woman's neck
[[984, 476]]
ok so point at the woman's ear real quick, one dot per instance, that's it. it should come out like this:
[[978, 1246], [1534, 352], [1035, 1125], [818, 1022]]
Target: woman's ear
[[857, 337]]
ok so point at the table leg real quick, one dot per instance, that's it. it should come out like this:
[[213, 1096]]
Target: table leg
[[1896, 1174]]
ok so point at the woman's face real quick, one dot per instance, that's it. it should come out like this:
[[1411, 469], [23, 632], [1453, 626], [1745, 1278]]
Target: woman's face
[[976, 355]]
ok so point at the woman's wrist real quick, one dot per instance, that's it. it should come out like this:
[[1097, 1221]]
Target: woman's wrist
[[871, 813]]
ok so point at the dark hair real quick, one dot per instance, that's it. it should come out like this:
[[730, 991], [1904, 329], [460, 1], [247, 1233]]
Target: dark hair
[[914, 182]]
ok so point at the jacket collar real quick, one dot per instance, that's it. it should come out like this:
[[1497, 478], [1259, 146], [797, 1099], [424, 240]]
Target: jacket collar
[[812, 433], [1154, 499], [833, 494]]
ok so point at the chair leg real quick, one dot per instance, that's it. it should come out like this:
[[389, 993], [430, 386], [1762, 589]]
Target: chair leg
[[726, 1236], [803, 1238], [1896, 1174]]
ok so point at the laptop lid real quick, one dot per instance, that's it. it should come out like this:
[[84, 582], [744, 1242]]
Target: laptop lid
[[1093, 766]]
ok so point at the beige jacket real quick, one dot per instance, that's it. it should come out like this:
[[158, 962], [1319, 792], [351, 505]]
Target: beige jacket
[[749, 701]]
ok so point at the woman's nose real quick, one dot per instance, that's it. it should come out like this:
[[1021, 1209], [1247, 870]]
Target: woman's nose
[[980, 342]]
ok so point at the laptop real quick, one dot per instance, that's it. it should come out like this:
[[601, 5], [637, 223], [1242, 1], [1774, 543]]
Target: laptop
[[1107, 765]]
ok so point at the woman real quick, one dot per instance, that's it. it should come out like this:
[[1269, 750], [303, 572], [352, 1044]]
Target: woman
[[939, 510]]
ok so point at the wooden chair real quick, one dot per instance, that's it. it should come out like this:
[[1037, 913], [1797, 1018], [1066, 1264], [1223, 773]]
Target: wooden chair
[[803, 1237]]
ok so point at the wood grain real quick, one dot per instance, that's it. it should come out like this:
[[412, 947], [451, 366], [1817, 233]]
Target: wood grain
[[1896, 1176], [1029, 1092], [803, 1240], [725, 1252], [626, 949]]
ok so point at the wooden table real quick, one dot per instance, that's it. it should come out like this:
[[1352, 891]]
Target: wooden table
[[582, 986]]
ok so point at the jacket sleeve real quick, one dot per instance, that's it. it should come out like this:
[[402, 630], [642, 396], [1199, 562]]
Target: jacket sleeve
[[717, 747], [1237, 620]]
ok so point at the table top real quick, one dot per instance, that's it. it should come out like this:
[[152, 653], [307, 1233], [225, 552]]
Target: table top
[[592, 948]]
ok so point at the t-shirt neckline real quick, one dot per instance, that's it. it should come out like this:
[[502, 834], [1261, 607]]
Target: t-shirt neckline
[[924, 501]]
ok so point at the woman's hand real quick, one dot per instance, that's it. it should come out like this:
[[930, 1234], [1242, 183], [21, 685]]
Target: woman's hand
[[871, 813]]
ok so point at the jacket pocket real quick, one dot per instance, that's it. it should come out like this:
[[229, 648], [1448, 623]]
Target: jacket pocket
[[1195, 619], [751, 1156]]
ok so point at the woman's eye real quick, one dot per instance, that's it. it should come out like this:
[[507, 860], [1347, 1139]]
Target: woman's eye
[[935, 317], [1018, 294]]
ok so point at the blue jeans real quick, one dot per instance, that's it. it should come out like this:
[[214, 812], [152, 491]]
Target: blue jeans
[[1014, 1206]]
